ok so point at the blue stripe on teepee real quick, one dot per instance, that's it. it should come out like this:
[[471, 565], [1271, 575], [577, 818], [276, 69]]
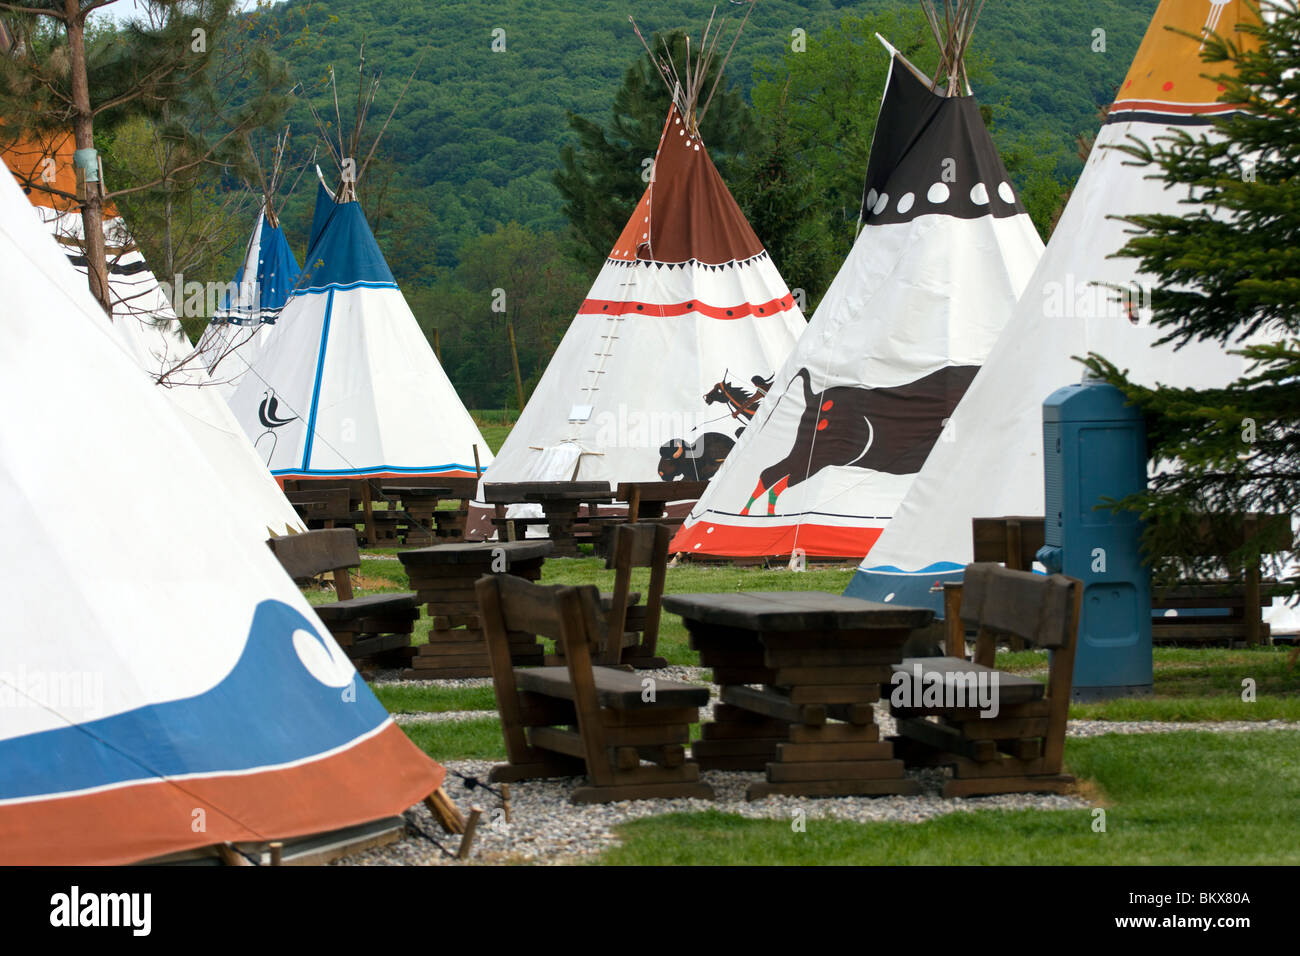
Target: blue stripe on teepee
[[375, 470], [922, 588], [315, 389]]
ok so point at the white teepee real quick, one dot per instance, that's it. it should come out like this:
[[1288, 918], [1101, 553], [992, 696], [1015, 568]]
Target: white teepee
[[944, 251], [145, 325], [990, 461], [345, 384], [640, 388], [265, 278], [160, 668]]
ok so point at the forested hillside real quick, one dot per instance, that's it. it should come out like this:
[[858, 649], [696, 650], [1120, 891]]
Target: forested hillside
[[477, 138]]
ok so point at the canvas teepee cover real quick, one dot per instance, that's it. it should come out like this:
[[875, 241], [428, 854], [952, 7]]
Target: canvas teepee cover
[[345, 384], [944, 251], [145, 325], [261, 289], [162, 669], [993, 464], [688, 305]]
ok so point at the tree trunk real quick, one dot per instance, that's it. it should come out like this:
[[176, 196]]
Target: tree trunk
[[83, 128]]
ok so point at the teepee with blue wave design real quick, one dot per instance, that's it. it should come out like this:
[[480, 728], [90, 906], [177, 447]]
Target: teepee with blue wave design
[[345, 384], [166, 687]]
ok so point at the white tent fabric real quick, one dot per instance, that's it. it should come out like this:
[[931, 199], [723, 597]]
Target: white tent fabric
[[989, 461], [146, 326], [160, 667], [944, 252], [345, 383], [687, 299]]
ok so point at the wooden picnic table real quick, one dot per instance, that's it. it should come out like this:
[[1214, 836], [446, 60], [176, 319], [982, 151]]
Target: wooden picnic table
[[820, 658], [443, 577], [562, 498], [417, 506], [560, 507], [648, 500]]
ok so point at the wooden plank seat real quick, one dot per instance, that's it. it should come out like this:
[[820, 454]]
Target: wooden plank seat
[[1017, 747], [626, 736], [615, 689], [920, 671], [372, 630]]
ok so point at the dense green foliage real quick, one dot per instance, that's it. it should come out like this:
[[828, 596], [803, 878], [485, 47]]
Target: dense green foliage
[[1225, 272], [478, 137]]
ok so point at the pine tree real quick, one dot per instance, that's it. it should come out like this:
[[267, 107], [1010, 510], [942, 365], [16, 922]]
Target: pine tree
[[1227, 271], [777, 195]]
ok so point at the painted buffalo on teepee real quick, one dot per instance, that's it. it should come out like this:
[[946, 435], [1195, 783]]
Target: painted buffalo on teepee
[[889, 430]]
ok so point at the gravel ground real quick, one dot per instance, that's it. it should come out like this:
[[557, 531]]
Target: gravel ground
[[1096, 728], [546, 829]]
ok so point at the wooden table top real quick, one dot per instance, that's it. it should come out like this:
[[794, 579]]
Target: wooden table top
[[794, 611], [476, 552], [416, 492], [542, 497], [652, 491], [512, 491]]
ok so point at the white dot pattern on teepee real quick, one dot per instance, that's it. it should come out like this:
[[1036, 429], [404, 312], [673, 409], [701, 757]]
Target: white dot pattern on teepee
[[1007, 193], [905, 203], [938, 193], [979, 195]]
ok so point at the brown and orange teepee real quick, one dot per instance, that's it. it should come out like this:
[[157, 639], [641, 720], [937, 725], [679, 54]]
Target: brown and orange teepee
[[678, 339]]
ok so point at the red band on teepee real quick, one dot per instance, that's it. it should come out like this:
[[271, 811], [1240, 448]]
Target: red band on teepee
[[741, 311]]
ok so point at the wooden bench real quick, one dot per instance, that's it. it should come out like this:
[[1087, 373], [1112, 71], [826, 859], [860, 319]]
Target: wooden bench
[[1244, 596], [582, 718], [1020, 749], [375, 629], [1014, 541], [322, 507], [634, 546], [638, 546]]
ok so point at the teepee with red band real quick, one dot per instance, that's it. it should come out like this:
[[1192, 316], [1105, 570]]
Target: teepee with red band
[[669, 355], [944, 251]]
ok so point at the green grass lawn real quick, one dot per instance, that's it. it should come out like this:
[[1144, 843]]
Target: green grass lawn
[[1171, 799], [494, 425], [1181, 798]]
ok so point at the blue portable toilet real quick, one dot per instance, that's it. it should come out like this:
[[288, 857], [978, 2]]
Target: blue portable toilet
[[1094, 448]]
